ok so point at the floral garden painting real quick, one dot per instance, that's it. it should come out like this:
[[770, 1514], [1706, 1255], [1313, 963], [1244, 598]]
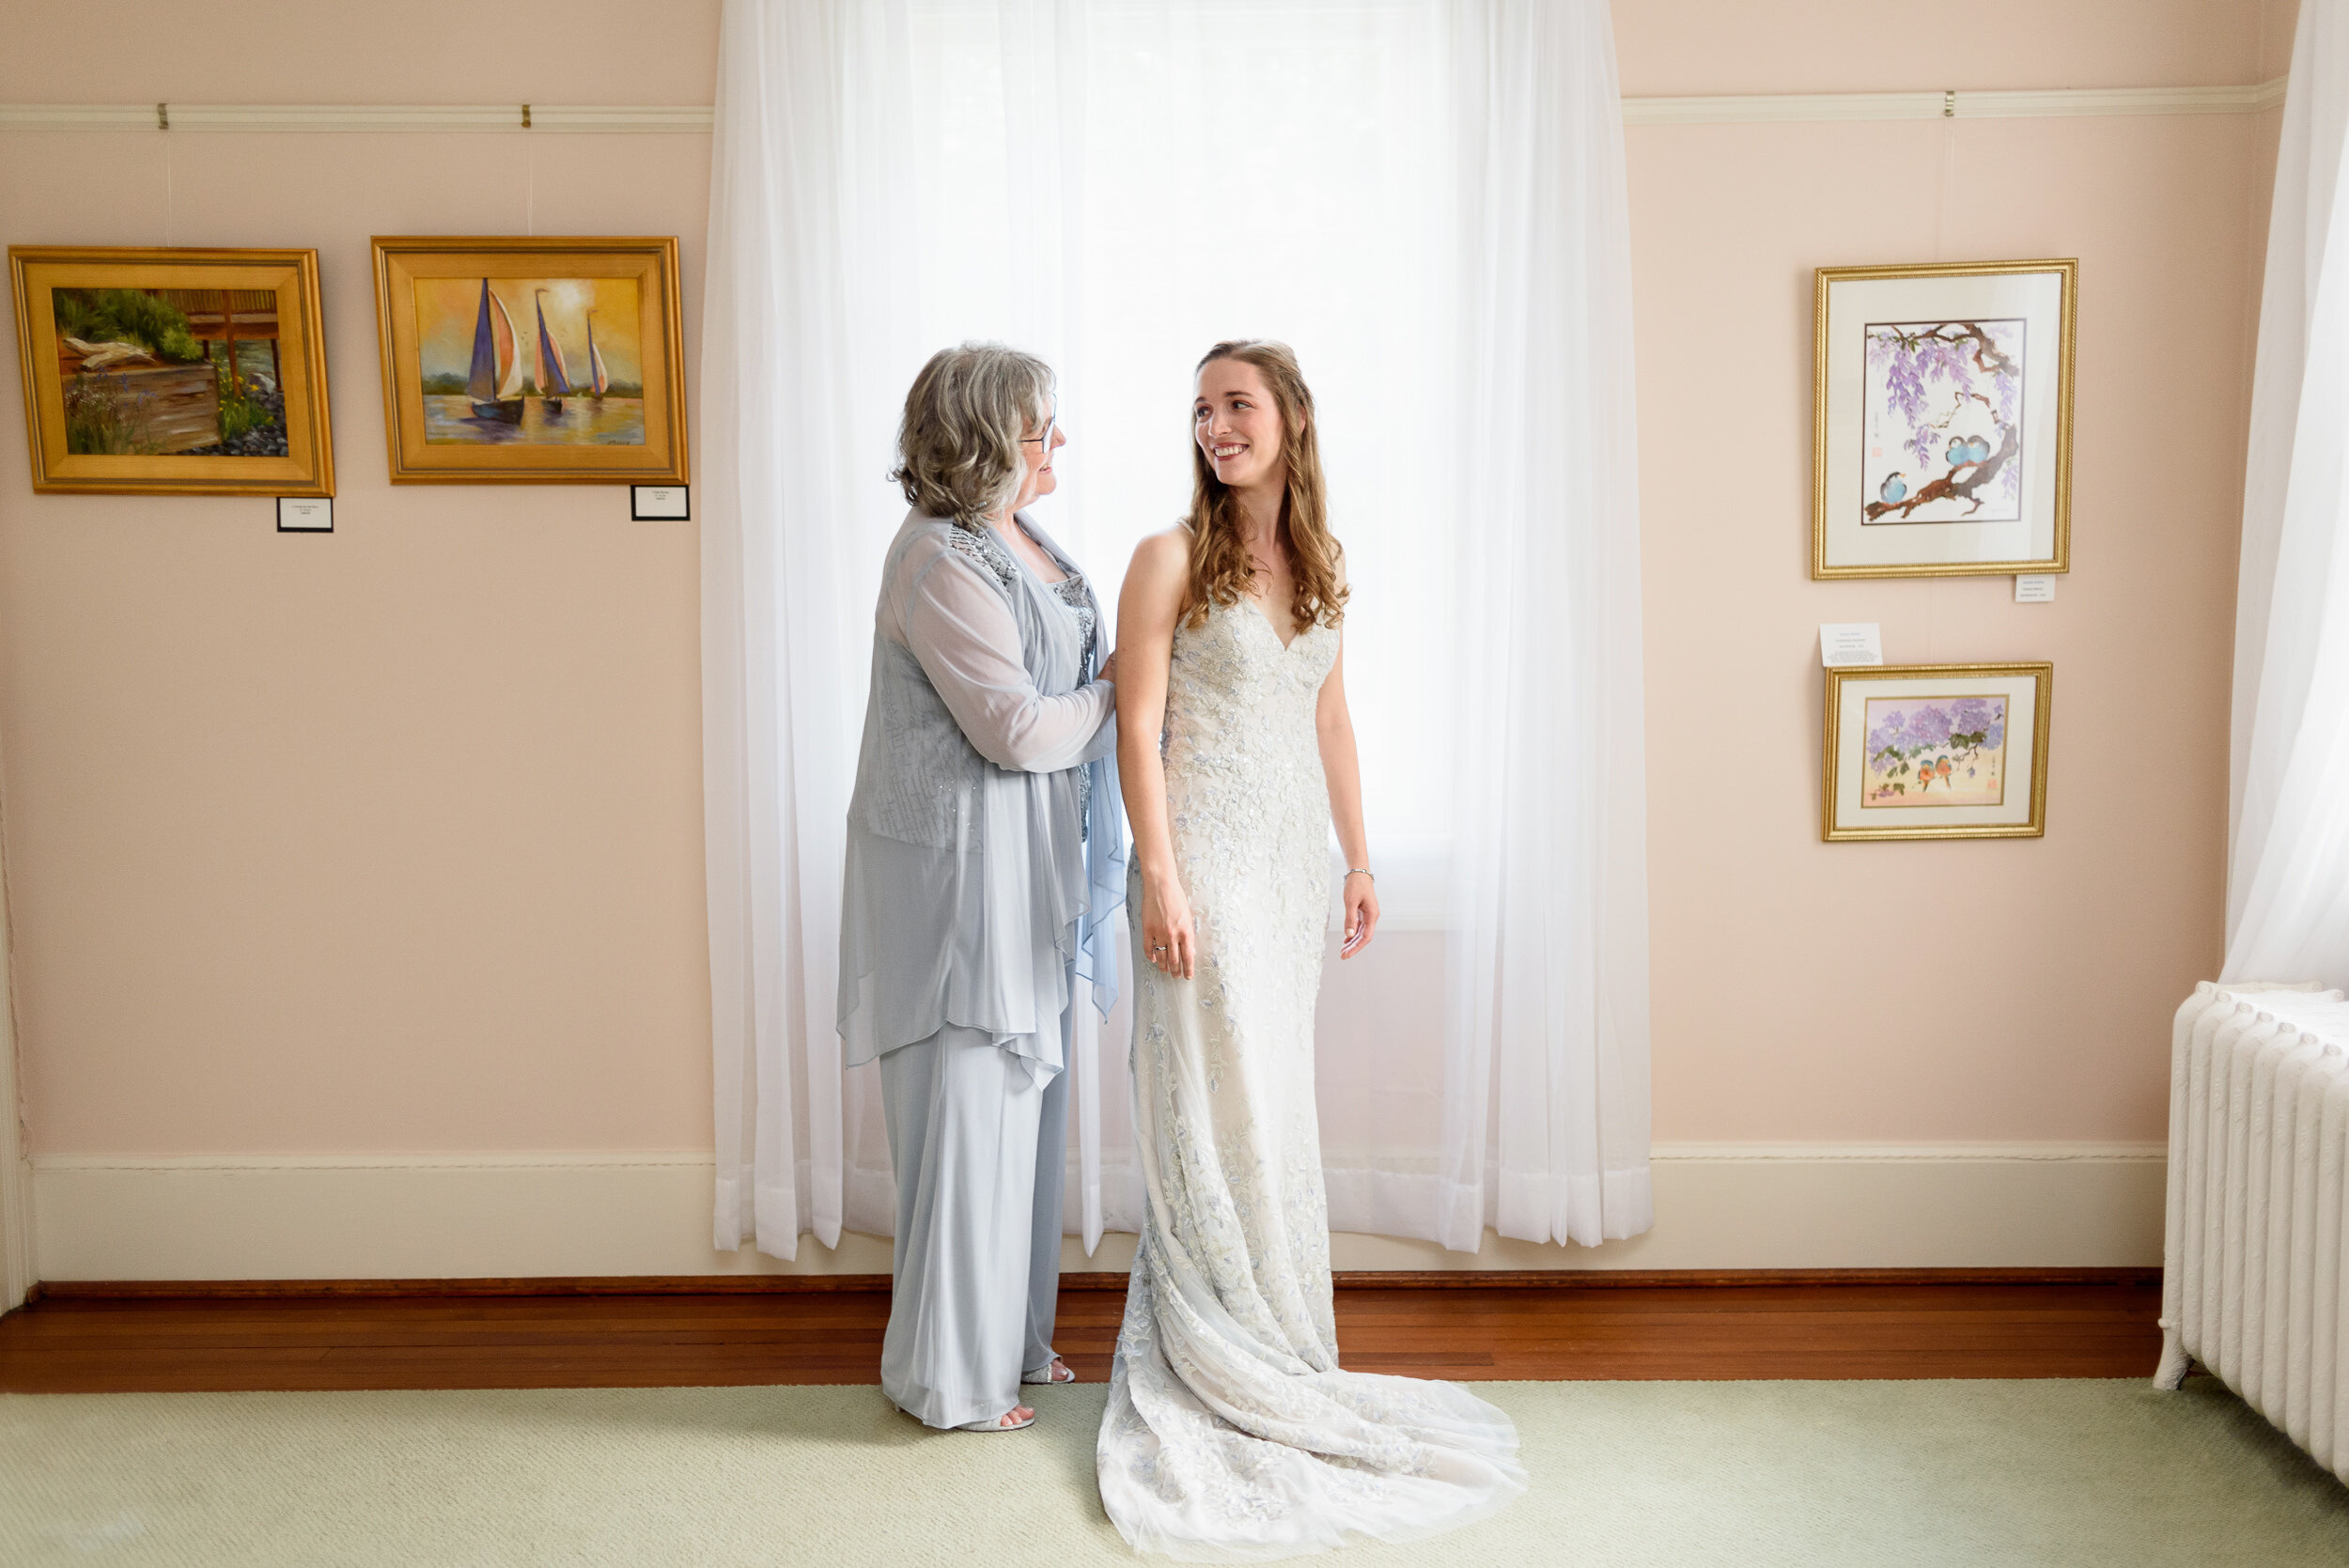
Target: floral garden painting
[[1942, 403], [1929, 753], [185, 372]]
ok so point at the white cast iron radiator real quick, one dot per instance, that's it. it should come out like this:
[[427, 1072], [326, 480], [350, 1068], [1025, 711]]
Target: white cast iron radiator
[[2252, 1278]]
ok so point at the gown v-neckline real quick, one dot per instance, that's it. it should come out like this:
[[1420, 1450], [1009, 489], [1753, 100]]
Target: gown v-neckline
[[1265, 616]]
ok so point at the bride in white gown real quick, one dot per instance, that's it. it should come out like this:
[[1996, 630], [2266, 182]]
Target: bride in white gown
[[1231, 1433]]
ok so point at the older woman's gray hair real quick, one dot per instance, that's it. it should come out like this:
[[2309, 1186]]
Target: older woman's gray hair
[[958, 444]]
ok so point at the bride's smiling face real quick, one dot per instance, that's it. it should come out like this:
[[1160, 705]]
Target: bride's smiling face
[[1237, 424]]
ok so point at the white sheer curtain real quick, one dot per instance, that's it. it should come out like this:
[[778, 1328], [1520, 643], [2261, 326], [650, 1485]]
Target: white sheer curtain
[[1549, 1032], [2288, 869], [1425, 198]]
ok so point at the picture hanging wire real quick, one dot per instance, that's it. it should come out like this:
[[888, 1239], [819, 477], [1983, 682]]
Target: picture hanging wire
[[1948, 188]]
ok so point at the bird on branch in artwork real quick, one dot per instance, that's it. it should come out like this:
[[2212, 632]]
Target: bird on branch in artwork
[[1893, 488], [1980, 471], [1964, 450]]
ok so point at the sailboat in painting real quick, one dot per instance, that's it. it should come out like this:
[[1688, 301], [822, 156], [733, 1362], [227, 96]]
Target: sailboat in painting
[[495, 384], [554, 381], [599, 378]]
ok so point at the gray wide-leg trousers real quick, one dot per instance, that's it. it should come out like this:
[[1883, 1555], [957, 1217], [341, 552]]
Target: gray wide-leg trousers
[[979, 1152]]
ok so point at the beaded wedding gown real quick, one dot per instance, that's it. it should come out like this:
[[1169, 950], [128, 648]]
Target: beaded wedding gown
[[1231, 1433]]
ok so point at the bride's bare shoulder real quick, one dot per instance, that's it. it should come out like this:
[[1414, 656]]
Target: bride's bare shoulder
[[1167, 551], [1161, 565]]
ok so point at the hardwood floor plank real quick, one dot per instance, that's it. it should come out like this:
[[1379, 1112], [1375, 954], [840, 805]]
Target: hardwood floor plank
[[1739, 1328]]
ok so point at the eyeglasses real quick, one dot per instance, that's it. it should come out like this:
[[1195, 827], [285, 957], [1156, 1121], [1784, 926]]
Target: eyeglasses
[[1050, 420]]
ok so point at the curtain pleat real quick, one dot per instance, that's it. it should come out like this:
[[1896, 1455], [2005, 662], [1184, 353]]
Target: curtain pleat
[[2288, 864], [1546, 1107]]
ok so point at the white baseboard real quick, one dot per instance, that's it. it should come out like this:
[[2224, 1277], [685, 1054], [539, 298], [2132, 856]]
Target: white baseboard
[[1979, 1205], [699, 118]]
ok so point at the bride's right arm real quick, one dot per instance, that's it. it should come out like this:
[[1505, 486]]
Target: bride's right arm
[[1147, 608]]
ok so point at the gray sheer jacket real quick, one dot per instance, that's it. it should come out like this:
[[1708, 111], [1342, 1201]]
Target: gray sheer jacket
[[982, 864]]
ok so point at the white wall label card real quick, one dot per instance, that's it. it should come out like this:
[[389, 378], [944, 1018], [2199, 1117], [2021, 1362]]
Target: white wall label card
[[2035, 587], [658, 504], [1843, 643], [306, 513]]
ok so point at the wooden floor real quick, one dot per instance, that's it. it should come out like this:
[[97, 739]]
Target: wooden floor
[[69, 1343]]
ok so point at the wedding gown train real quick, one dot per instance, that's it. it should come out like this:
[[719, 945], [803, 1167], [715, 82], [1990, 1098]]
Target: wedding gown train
[[1231, 1433]]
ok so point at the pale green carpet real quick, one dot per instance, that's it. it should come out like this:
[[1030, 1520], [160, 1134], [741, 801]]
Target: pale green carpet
[[1679, 1475]]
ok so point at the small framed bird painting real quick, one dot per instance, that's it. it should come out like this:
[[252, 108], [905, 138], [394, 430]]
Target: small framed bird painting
[[1941, 439], [1935, 750]]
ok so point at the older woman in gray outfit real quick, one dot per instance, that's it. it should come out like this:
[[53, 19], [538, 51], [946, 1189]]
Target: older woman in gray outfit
[[985, 854]]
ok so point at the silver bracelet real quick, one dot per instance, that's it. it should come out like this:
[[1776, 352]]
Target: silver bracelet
[[1360, 871]]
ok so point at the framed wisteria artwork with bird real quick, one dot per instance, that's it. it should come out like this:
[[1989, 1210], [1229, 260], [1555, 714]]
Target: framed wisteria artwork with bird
[[1943, 419], [1935, 750]]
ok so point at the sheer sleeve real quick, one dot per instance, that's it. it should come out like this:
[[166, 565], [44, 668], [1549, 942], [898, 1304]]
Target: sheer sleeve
[[957, 626]]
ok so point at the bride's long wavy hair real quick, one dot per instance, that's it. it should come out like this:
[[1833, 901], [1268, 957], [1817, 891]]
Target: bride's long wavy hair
[[1220, 572]]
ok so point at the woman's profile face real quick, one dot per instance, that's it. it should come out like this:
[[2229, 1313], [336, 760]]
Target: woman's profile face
[[1035, 450], [1237, 424]]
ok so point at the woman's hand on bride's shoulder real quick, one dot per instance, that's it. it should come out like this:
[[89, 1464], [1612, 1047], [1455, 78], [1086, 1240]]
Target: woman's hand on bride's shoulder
[[1168, 938], [1362, 913]]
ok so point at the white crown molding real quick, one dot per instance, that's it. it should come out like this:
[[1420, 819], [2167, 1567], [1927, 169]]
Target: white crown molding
[[1826, 108], [77, 116], [697, 119], [471, 119]]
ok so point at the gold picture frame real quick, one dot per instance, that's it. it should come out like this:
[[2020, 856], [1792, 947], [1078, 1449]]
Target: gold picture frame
[[1935, 750], [1941, 419], [173, 370], [494, 371]]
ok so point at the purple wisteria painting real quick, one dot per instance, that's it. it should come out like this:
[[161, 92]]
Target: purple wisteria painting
[[1929, 753], [1943, 407]]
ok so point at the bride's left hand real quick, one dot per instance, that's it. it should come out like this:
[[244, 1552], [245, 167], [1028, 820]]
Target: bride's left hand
[[1362, 914]]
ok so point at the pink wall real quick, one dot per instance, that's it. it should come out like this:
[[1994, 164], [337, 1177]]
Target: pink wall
[[1670, 47], [2014, 988], [391, 840], [383, 840]]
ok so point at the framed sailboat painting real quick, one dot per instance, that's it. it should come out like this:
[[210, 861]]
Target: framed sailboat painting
[[511, 360]]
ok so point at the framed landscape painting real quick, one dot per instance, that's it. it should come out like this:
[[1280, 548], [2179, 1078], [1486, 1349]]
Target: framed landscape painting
[[1935, 750], [172, 371], [1941, 438], [532, 360]]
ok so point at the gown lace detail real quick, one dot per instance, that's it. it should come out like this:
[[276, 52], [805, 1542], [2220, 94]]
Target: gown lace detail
[[1230, 1433]]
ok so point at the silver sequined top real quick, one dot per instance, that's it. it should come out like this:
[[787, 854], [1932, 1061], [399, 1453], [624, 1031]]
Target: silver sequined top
[[1071, 591], [982, 546]]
